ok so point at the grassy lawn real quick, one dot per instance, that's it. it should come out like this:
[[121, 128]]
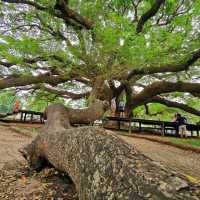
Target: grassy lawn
[[191, 142]]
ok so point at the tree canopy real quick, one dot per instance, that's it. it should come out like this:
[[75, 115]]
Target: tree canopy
[[75, 49]]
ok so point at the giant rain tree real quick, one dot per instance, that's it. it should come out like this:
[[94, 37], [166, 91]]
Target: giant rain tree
[[111, 47]]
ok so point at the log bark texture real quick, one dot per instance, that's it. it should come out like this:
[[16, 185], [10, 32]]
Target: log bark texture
[[101, 165]]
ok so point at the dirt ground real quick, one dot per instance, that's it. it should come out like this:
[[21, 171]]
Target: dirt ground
[[182, 161], [18, 183], [10, 142]]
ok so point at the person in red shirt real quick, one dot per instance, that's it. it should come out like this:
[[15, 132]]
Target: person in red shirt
[[16, 106]]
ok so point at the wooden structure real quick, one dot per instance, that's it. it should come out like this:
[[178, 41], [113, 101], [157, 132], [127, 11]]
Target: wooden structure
[[31, 114], [162, 126]]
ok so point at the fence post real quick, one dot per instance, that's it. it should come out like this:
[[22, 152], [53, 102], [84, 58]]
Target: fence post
[[130, 127]]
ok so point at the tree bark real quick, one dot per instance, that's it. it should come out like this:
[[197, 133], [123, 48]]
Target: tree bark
[[88, 115], [101, 165], [129, 97]]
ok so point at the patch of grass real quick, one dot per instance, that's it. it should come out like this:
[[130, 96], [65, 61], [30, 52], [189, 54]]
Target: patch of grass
[[31, 129], [188, 141]]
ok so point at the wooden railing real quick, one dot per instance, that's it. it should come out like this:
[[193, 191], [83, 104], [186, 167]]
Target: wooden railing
[[163, 126], [25, 113]]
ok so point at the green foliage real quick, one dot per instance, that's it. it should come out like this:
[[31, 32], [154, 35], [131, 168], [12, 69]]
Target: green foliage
[[160, 112], [47, 3], [115, 36], [15, 50], [40, 100], [193, 102], [7, 99]]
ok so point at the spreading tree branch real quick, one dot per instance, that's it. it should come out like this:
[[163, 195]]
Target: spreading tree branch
[[65, 93], [184, 65], [28, 80], [150, 13], [27, 2], [56, 91], [6, 64], [181, 9], [160, 87], [68, 13], [25, 60], [62, 11], [168, 103]]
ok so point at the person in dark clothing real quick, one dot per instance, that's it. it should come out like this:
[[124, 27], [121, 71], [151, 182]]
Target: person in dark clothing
[[180, 120], [181, 125]]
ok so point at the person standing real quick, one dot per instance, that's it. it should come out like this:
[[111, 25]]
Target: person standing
[[16, 106], [113, 106], [181, 122], [121, 108]]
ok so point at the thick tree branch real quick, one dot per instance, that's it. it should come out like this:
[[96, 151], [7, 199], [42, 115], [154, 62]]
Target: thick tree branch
[[56, 91], [83, 80], [28, 80], [128, 91], [65, 93], [6, 64], [150, 13], [163, 87], [27, 2], [61, 11], [184, 65], [68, 13], [25, 60], [169, 103]]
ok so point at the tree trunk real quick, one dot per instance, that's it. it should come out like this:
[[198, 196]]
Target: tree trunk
[[101, 165], [88, 115]]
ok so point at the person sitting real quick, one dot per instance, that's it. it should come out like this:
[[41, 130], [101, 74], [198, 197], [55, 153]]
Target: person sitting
[[181, 123]]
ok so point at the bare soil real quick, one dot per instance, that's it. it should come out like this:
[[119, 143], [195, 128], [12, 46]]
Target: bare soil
[[182, 161], [17, 182], [10, 142]]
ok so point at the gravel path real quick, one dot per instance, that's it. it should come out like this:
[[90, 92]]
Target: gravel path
[[182, 161]]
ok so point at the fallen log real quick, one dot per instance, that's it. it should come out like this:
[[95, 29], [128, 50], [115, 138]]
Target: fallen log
[[101, 165]]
